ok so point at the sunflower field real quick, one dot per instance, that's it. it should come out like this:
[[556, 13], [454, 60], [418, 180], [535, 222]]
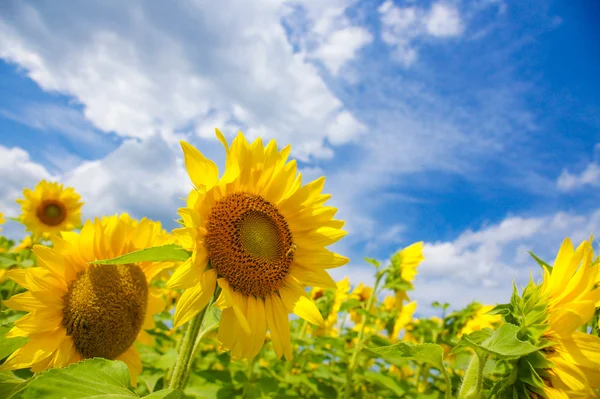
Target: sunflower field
[[239, 302]]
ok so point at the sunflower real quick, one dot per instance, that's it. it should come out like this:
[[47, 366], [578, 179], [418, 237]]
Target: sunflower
[[78, 310], [481, 320], [409, 259], [25, 244], [340, 295], [571, 299], [404, 317], [360, 293], [49, 209], [260, 235], [403, 271], [2, 220]]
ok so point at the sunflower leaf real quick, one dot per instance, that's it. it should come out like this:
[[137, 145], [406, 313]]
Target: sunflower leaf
[[397, 354], [503, 343], [164, 253], [92, 378], [10, 384]]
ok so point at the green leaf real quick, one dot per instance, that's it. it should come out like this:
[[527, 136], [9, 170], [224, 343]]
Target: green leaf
[[9, 316], [164, 394], [504, 343], [385, 381], [10, 384], [432, 354], [163, 253], [7, 261], [8, 346], [93, 378], [540, 262], [374, 262]]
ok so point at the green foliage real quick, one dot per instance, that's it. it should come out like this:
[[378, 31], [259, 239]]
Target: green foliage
[[397, 354], [170, 252], [92, 378], [502, 343]]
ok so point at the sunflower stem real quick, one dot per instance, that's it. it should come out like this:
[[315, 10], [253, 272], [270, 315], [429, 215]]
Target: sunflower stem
[[186, 349], [247, 393], [359, 341], [473, 381]]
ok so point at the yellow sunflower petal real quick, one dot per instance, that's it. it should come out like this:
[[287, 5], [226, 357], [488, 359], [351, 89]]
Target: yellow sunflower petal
[[202, 171], [35, 350], [196, 298], [296, 301], [131, 357]]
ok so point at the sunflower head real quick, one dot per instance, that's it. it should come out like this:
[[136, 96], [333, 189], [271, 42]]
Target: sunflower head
[[480, 320], [49, 209], [550, 316], [261, 236], [25, 244], [79, 310]]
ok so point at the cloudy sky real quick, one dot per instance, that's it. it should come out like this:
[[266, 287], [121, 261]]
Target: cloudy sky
[[470, 125]]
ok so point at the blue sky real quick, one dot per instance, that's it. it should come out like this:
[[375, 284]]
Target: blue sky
[[469, 125]]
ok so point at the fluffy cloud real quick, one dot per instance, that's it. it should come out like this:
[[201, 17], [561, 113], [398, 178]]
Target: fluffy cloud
[[329, 36], [402, 27], [143, 178], [481, 265], [568, 181], [341, 46], [155, 68], [18, 171]]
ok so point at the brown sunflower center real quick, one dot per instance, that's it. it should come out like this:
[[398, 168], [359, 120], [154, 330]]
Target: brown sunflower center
[[104, 309], [249, 243], [51, 212]]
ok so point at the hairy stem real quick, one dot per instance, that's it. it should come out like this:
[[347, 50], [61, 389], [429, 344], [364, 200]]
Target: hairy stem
[[186, 349]]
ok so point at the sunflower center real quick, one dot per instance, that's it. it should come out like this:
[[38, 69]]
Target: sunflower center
[[104, 309], [51, 212], [249, 243]]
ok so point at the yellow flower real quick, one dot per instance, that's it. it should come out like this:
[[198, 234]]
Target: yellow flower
[[362, 293], [78, 310], [571, 302], [316, 293], [27, 243], [403, 372], [340, 296], [260, 235], [409, 259], [2, 220], [403, 318], [481, 320], [50, 209]]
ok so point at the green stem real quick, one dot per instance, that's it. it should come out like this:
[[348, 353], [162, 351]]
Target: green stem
[[348, 387], [448, 383], [473, 381], [186, 349], [250, 378]]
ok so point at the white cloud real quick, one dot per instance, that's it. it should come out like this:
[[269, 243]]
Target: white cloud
[[143, 178], [18, 172], [342, 46], [444, 21], [403, 27], [152, 68], [568, 181], [481, 265]]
